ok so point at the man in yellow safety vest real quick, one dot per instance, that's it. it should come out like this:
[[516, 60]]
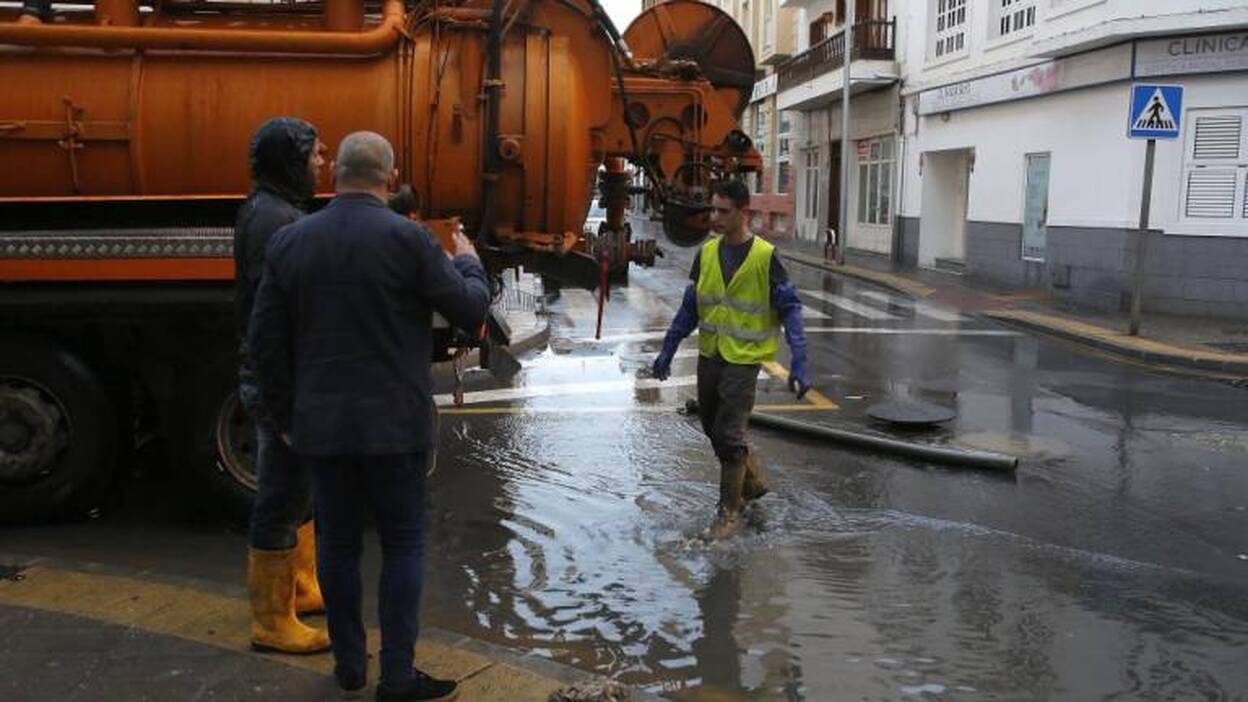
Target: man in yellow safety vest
[[739, 298]]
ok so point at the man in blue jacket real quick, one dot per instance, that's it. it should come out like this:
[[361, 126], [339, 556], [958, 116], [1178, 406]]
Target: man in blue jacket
[[739, 297], [342, 340]]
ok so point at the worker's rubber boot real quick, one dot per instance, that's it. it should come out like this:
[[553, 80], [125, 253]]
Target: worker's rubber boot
[[731, 501], [274, 626], [754, 486], [308, 598]]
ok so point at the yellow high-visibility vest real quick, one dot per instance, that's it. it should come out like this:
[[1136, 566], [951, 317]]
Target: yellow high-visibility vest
[[736, 321]]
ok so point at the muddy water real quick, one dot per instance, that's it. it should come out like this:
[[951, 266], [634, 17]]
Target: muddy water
[[569, 524]]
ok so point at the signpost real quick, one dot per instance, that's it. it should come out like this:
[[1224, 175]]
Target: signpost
[[1155, 113]]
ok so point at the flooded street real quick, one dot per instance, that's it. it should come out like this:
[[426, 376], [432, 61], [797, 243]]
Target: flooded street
[[569, 502], [568, 520]]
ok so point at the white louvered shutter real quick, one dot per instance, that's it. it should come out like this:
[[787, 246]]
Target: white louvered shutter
[[1215, 180]]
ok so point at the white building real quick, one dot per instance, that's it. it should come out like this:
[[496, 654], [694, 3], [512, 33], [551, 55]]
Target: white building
[[1016, 166]]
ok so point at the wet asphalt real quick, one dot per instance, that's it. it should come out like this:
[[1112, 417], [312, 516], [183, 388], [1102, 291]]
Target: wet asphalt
[[569, 500]]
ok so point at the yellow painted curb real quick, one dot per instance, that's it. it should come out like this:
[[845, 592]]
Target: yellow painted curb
[[1116, 339], [224, 622]]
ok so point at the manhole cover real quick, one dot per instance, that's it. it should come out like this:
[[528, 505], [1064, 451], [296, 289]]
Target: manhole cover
[[910, 412]]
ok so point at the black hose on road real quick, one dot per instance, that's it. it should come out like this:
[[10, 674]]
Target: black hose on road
[[926, 452]]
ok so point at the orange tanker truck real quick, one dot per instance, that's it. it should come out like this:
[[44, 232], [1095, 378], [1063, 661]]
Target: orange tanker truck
[[124, 128]]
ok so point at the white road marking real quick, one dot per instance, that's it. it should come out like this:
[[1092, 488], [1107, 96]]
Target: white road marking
[[911, 332], [850, 305], [614, 359], [564, 389], [809, 312], [926, 309]]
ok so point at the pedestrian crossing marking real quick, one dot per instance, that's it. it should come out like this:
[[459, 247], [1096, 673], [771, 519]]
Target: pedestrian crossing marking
[[809, 312], [850, 305], [925, 309]]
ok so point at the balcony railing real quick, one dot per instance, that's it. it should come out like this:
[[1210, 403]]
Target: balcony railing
[[873, 40]]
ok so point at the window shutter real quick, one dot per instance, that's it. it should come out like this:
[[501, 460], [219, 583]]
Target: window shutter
[[1217, 137], [1211, 193]]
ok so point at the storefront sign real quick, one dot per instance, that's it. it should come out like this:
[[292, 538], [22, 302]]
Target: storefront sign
[[764, 88], [1203, 53], [1079, 71]]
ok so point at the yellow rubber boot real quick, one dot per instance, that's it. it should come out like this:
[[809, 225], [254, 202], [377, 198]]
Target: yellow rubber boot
[[274, 626], [308, 598]]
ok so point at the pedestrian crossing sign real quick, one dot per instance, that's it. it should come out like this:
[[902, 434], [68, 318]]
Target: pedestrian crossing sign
[[1155, 111]]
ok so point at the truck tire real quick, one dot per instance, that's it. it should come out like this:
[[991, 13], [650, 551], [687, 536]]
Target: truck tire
[[219, 442], [58, 432]]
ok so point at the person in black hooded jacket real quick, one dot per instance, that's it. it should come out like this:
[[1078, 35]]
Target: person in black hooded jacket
[[286, 158]]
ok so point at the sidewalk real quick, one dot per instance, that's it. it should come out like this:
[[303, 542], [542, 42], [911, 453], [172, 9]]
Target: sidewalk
[[1176, 342], [89, 632]]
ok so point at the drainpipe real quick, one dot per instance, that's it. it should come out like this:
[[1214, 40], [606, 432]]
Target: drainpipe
[[898, 235]]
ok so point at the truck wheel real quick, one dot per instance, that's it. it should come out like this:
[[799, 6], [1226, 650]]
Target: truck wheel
[[58, 433], [220, 437]]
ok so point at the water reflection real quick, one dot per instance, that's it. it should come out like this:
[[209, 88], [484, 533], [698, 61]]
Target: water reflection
[[572, 535]]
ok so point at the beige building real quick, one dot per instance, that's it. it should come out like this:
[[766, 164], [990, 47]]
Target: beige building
[[772, 33]]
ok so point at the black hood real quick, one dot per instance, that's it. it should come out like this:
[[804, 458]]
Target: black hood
[[280, 150]]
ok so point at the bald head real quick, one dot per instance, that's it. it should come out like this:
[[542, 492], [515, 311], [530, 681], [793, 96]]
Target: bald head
[[365, 161]]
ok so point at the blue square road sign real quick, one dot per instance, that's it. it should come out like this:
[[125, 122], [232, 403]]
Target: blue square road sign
[[1156, 111]]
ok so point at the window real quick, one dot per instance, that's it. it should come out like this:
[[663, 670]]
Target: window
[[949, 34], [1215, 174], [810, 200], [782, 177], [1013, 17], [875, 181], [783, 130], [760, 142]]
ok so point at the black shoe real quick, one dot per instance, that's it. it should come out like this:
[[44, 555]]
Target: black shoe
[[421, 687], [351, 685]]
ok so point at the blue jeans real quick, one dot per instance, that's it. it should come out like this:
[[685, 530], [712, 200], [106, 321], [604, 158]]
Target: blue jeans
[[393, 488], [284, 490]]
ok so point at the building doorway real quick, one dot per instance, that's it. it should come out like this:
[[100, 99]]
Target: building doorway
[[942, 229], [834, 189]]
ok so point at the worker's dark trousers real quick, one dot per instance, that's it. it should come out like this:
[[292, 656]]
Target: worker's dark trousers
[[393, 488], [725, 400], [283, 486]]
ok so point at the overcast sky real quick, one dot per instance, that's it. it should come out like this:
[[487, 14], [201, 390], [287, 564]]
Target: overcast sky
[[622, 11]]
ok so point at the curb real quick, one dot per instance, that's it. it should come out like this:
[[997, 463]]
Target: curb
[[1192, 359], [497, 654], [1164, 355], [892, 283]]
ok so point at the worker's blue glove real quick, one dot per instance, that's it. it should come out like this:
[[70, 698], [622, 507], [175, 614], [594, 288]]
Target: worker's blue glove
[[799, 382], [683, 324], [663, 364]]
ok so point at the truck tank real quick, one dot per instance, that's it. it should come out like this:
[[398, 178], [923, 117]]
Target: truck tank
[[124, 130]]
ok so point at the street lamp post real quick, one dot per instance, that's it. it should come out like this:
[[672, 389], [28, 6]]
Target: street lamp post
[[848, 34]]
